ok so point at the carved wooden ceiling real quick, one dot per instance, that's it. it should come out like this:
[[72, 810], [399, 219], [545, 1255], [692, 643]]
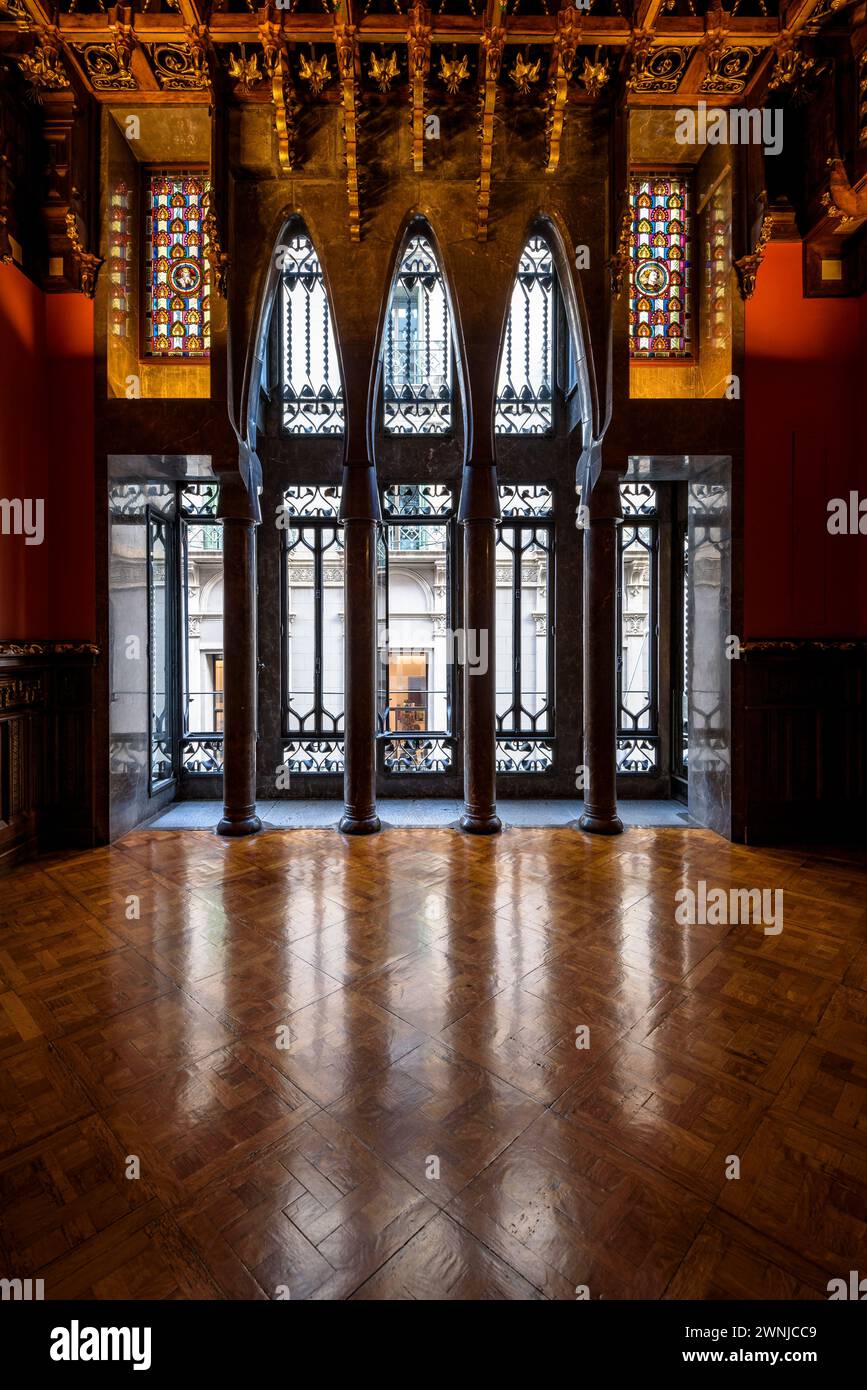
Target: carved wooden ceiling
[[535, 50]]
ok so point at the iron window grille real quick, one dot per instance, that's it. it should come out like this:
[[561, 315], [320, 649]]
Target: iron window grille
[[201, 741], [638, 631], [311, 389], [525, 630], [416, 651], [313, 596], [417, 350], [525, 386]]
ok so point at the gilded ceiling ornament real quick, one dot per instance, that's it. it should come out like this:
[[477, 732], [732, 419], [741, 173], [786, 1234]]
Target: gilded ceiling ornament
[[43, 68], [525, 74], [730, 71], [594, 76], [244, 70], [16, 9], [715, 41], [315, 72], [418, 40], [454, 71], [659, 69], [384, 70], [107, 66], [176, 69], [793, 71], [640, 48]]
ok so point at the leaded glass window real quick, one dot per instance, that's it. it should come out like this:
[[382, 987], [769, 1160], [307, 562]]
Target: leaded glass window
[[313, 630], [416, 647], [120, 258], [202, 619], [177, 305], [638, 541], [312, 392], [524, 388], [525, 634], [417, 350], [660, 272]]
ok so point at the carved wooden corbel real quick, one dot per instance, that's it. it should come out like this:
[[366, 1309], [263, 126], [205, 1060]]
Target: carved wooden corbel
[[793, 70], [559, 73], [716, 40], [286, 108], [122, 38], [346, 44], [747, 268], [286, 105], [88, 263], [43, 68], [618, 264], [418, 49], [491, 55], [639, 49], [217, 258]]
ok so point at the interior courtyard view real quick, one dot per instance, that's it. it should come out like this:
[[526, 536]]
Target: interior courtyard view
[[433, 655]]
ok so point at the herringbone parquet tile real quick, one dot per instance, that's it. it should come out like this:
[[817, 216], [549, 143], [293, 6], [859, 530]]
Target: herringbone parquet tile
[[427, 1066]]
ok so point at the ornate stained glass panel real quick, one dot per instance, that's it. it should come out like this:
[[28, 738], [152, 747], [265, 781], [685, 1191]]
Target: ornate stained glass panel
[[660, 273], [177, 303], [311, 387], [417, 350], [526, 363], [119, 258]]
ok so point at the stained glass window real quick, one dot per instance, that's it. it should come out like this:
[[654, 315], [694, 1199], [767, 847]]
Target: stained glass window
[[311, 387], [177, 305], [524, 386], [417, 352], [660, 291]]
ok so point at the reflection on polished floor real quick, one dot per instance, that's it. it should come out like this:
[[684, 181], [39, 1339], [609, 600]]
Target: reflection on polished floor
[[349, 1069]]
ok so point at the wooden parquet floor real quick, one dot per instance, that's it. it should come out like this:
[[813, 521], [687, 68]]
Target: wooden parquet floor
[[303, 1066]]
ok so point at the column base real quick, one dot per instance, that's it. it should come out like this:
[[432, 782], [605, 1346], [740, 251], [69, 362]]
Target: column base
[[480, 825], [354, 825], [600, 825], [247, 824]]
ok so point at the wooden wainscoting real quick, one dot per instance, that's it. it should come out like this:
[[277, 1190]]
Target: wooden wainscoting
[[46, 747], [804, 775]]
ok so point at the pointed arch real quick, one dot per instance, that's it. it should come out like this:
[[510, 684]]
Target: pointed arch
[[526, 394], [310, 381], [291, 226], [419, 376]]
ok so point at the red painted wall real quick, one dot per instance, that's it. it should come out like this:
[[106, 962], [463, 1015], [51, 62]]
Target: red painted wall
[[46, 451], [805, 388]]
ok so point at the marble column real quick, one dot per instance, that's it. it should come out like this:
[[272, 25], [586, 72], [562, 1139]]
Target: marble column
[[600, 657], [239, 512], [478, 515], [359, 513]]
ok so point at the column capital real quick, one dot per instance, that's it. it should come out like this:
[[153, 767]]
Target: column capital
[[359, 496], [480, 497], [236, 502], [603, 502]]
